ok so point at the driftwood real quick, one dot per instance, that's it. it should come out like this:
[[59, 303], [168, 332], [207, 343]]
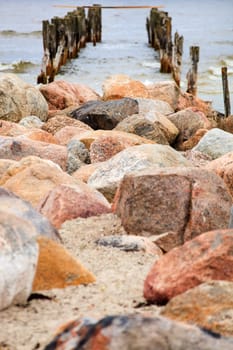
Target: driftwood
[[226, 94], [64, 37]]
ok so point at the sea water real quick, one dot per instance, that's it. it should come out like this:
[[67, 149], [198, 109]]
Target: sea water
[[124, 48]]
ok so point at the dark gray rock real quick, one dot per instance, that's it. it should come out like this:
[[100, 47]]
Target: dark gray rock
[[105, 115]]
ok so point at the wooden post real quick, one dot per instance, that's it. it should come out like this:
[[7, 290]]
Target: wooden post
[[226, 94], [192, 73], [177, 57]]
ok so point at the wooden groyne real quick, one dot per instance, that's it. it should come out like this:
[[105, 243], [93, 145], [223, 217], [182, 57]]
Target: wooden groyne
[[159, 29], [64, 37]]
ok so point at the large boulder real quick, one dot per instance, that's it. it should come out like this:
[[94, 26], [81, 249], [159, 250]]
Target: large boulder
[[105, 114], [158, 107], [32, 178], [120, 86], [166, 91], [185, 200], [204, 258], [67, 202], [127, 332], [61, 94], [215, 143], [151, 126], [18, 258], [16, 148], [108, 175], [13, 205], [209, 305], [19, 99]]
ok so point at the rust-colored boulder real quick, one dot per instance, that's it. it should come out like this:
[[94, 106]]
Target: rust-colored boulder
[[56, 268], [188, 201], [66, 134], [8, 128], [66, 202], [209, 305], [61, 94], [204, 258], [120, 86], [186, 100]]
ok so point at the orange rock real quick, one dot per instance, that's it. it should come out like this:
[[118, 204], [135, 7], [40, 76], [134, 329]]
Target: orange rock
[[56, 268], [119, 86]]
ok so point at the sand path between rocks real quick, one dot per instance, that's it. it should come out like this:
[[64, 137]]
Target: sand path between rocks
[[118, 290]]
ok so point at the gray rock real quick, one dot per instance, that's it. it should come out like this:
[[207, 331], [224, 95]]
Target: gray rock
[[78, 155], [105, 115], [19, 99], [31, 121], [215, 143], [154, 106]]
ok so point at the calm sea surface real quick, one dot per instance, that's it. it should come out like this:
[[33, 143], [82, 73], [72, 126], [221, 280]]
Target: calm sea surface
[[124, 48]]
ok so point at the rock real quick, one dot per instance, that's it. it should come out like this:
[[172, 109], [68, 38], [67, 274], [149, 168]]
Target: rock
[[55, 124], [185, 200], [108, 175], [157, 107], [20, 99], [13, 205], [209, 305], [215, 143], [32, 178], [166, 91], [223, 166], [18, 259], [166, 241], [31, 121], [131, 243], [16, 148], [41, 136], [120, 86], [136, 332], [67, 202], [4, 165], [126, 139], [61, 94], [84, 172], [67, 133], [188, 122], [105, 115], [8, 128], [78, 155], [187, 100], [156, 128], [204, 258], [197, 158], [108, 143], [191, 142], [56, 268]]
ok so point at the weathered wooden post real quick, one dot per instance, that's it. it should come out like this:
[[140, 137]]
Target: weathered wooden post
[[177, 57], [192, 73], [226, 94], [94, 24]]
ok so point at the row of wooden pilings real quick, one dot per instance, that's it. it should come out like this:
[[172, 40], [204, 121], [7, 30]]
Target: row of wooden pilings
[[64, 37], [159, 29]]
